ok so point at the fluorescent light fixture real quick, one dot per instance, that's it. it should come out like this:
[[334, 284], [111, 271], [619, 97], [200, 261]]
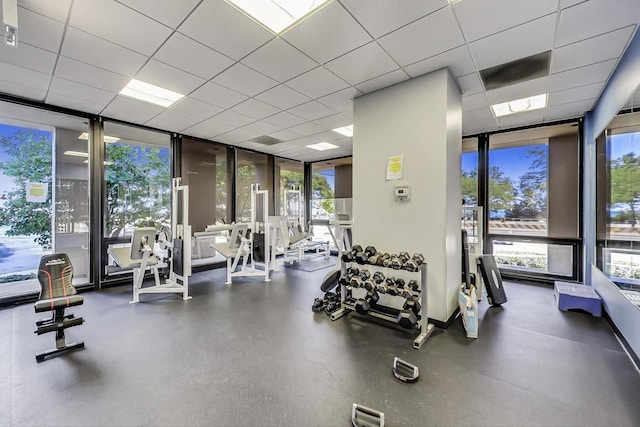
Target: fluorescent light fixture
[[10, 22], [520, 105], [150, 93], [321, 146], [346, 130], [75, 153], [85, 136], [277, 15]]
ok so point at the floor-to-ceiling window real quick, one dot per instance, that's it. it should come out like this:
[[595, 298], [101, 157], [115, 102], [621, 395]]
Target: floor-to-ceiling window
[[618, 200], [289, 188], [533, 200], [44, 197], [251, 168], [331, 193], [137, 174]]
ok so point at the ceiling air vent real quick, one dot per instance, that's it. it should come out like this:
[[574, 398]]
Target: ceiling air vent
[[266, 140], [518, 71]]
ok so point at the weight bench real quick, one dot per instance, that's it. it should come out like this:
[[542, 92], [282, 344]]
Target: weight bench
[[55, 274]]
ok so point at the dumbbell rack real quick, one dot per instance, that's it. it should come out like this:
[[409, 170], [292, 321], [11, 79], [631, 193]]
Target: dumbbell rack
[[422, 325]]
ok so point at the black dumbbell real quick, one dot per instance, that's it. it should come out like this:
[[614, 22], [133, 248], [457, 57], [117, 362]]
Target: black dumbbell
[[404, 256], [373, 260], [356, 282], [400, 282], [387, 261], [331, 307], [330, 297], [414, 263], [369, 285], [412, 304], [382, 258], [373, 297], [407, 319], [365, 274], [345, 280], [381, 288], [349, 256], [363, 256], [413, 285], [392, 289], [318, 305], [406, 293], [396, 263], [353, 270], [362, 306], [378, 277]]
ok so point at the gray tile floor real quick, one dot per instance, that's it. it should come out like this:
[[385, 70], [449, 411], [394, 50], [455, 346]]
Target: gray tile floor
[[255, 354]]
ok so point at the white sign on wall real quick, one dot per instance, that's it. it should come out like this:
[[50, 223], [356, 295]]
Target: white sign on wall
[[37, 192]]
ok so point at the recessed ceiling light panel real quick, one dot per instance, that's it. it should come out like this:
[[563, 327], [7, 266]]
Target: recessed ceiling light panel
[[321, 146], [277, 15], [346, 130], [150, 93], [85, 136], [520, 105]]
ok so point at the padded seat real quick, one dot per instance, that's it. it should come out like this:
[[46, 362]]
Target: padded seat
[[57, 292], [62, 302]]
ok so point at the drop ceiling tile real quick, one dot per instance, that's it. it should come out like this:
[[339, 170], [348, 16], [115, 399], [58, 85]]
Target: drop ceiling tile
[[478, 120], [380, 17], [10, 73], [244, 80], [133, 30], [283, 97], [481, 18], [94, 51], [519, 91], [255, 109], [188, 55], [284, 120], [596, 49], [74, 103], [173, 120], [470, 84], [311, 110], [506, 46], [341, 101], [80, 72], [334, 121], [168, 77], [317, 82], [169, 12], [575, 94], [131, 110], [196, 108], [383, 81], [261, 128], [38, 30], [233, 119], [80, 91], [285, 135], [207, 129], [595, 17], [215, 94], [427, 37], [306, 129], [567, 111], [236, 136], [58, 10], [363, 63], [568, 3], [582, 76], [458, 60], [28, 56], [475, 101], [279, 60], [223, 28], [327, 34], [521, 119]]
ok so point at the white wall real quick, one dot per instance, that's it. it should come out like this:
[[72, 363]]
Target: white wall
[[421, 120]]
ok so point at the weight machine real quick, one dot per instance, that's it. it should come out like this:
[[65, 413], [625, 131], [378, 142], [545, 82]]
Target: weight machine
[[250, 241], [140, 256]]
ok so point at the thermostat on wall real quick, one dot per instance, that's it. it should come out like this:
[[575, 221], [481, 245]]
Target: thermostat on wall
[[401, 193]]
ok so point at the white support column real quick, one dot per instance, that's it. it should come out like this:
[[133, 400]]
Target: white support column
[[420, 119]]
